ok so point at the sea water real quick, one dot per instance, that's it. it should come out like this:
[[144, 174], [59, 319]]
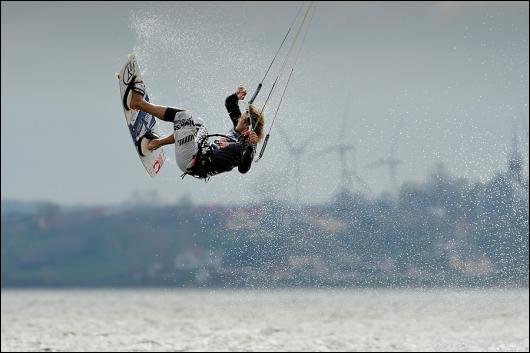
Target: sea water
[[265, 320]]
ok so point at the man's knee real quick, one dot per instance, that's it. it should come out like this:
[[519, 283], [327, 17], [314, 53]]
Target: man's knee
[[171, 113]]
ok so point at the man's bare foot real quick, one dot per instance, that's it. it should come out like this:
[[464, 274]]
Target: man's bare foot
[[136, 100], [153, 145]]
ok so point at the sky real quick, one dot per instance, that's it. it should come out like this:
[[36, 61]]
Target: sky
[[450, 79]]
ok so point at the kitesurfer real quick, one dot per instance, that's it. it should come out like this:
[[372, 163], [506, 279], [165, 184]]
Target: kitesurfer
[[194, 154]]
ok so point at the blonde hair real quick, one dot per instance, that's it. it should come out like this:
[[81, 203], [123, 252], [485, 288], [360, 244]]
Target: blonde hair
[[258, 120]]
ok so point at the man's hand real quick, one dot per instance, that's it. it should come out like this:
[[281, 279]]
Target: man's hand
[[252, 138], [241, 92]]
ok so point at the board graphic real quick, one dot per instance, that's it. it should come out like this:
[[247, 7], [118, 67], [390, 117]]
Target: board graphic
[[139, 122]]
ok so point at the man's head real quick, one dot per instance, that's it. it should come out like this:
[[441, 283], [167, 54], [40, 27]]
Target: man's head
[[258, 121]]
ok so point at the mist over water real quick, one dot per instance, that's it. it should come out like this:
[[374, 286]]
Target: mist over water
[[201, 68], [191, 67]]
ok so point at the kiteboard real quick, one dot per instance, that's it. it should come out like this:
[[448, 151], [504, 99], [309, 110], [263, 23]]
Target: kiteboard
[[139, 123]]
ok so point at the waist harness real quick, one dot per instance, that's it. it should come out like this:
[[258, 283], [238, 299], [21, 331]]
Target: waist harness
[[203, 163]]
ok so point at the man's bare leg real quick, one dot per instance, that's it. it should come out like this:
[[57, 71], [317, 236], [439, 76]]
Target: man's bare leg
[[157, 143], [139, 103]]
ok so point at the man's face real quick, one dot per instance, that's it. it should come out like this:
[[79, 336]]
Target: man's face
[[242, 122]]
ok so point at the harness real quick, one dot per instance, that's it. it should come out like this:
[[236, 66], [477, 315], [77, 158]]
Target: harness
[[202, 166]]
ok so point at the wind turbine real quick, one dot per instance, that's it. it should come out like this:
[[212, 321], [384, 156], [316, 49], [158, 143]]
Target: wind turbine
[[296, 152], [515, 161], [391, 162], [344, 149]]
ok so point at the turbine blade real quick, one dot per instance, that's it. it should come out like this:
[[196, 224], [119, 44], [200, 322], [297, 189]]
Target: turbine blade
[[285, 137]]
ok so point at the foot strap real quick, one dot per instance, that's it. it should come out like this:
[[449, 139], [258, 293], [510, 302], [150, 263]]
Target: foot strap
[[144, 141]]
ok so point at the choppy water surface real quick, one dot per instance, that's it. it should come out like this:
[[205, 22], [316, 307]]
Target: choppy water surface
[[279, 320]]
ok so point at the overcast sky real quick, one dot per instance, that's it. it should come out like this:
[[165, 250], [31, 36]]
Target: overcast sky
[[456, 73]]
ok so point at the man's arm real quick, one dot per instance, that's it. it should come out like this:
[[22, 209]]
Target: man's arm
[[248, 154], [233, 108], [246, 160], [231, 103]]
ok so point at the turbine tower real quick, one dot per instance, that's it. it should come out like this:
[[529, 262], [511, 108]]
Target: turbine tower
[[296, 152], [347, 175], [391, 162]]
